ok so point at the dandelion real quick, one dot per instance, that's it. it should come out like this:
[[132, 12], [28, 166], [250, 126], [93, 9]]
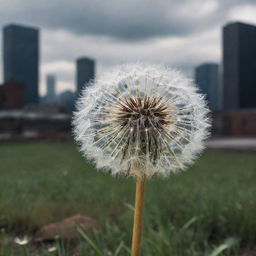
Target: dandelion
[[22, 241], [52, 249], [141, 121]]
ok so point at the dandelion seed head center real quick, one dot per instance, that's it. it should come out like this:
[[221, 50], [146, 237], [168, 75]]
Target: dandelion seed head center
[[143, 113], [146, 119]]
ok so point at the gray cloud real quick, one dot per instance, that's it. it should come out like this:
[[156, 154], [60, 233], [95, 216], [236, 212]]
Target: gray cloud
[[127, 20], [124, 20]]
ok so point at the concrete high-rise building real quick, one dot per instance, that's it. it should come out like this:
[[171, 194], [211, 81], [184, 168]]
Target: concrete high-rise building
[[207, 78], [239, 66], [51, 91], [85, 72], [21, 59]]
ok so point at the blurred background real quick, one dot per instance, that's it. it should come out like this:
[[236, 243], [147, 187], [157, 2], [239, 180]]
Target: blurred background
[[49, 51]]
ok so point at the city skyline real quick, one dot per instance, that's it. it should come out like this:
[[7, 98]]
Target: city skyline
[[21, 47], [169, 33]]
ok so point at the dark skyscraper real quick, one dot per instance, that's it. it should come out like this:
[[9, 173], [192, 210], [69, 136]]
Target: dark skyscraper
[[239, 66], [207, 78], [21, 58], [85, 72]]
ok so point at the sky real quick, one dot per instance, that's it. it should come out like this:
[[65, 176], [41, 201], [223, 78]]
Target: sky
[[181, 34]]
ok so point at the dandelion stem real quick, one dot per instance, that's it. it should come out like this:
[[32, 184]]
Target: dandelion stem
[[138, 218]]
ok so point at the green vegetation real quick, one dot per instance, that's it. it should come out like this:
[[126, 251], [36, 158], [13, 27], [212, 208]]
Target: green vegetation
[[208, 210]]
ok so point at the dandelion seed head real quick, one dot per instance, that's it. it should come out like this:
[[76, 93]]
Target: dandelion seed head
[[141, 120]]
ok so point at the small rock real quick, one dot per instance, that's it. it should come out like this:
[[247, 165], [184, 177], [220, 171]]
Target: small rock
[[65, 229]]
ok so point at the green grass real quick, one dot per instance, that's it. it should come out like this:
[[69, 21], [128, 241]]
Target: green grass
[[190, 214]]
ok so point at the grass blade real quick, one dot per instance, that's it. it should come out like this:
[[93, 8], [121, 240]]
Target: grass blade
[[189, 223], [90, 242], [229, 243], [119, 248]]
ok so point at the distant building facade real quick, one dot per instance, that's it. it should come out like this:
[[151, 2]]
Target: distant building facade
[[234, 123], [21, 59], [207, 78], [11, 95], [85, 72], [239, 66], [51, 89]]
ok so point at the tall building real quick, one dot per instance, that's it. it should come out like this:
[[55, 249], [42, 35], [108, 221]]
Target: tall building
[[239, 66], [207, 78], [21, 59], [85, 72], [67, 99], [51, 93]]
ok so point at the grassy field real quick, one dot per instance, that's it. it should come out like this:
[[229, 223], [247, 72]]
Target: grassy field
[[199, 212]]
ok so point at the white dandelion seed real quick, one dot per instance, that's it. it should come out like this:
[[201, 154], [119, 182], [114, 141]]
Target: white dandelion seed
[[22, 241], [141, 120], [52, 249]]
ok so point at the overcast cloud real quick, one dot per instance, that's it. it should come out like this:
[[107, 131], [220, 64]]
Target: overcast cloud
[[178, 33]]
